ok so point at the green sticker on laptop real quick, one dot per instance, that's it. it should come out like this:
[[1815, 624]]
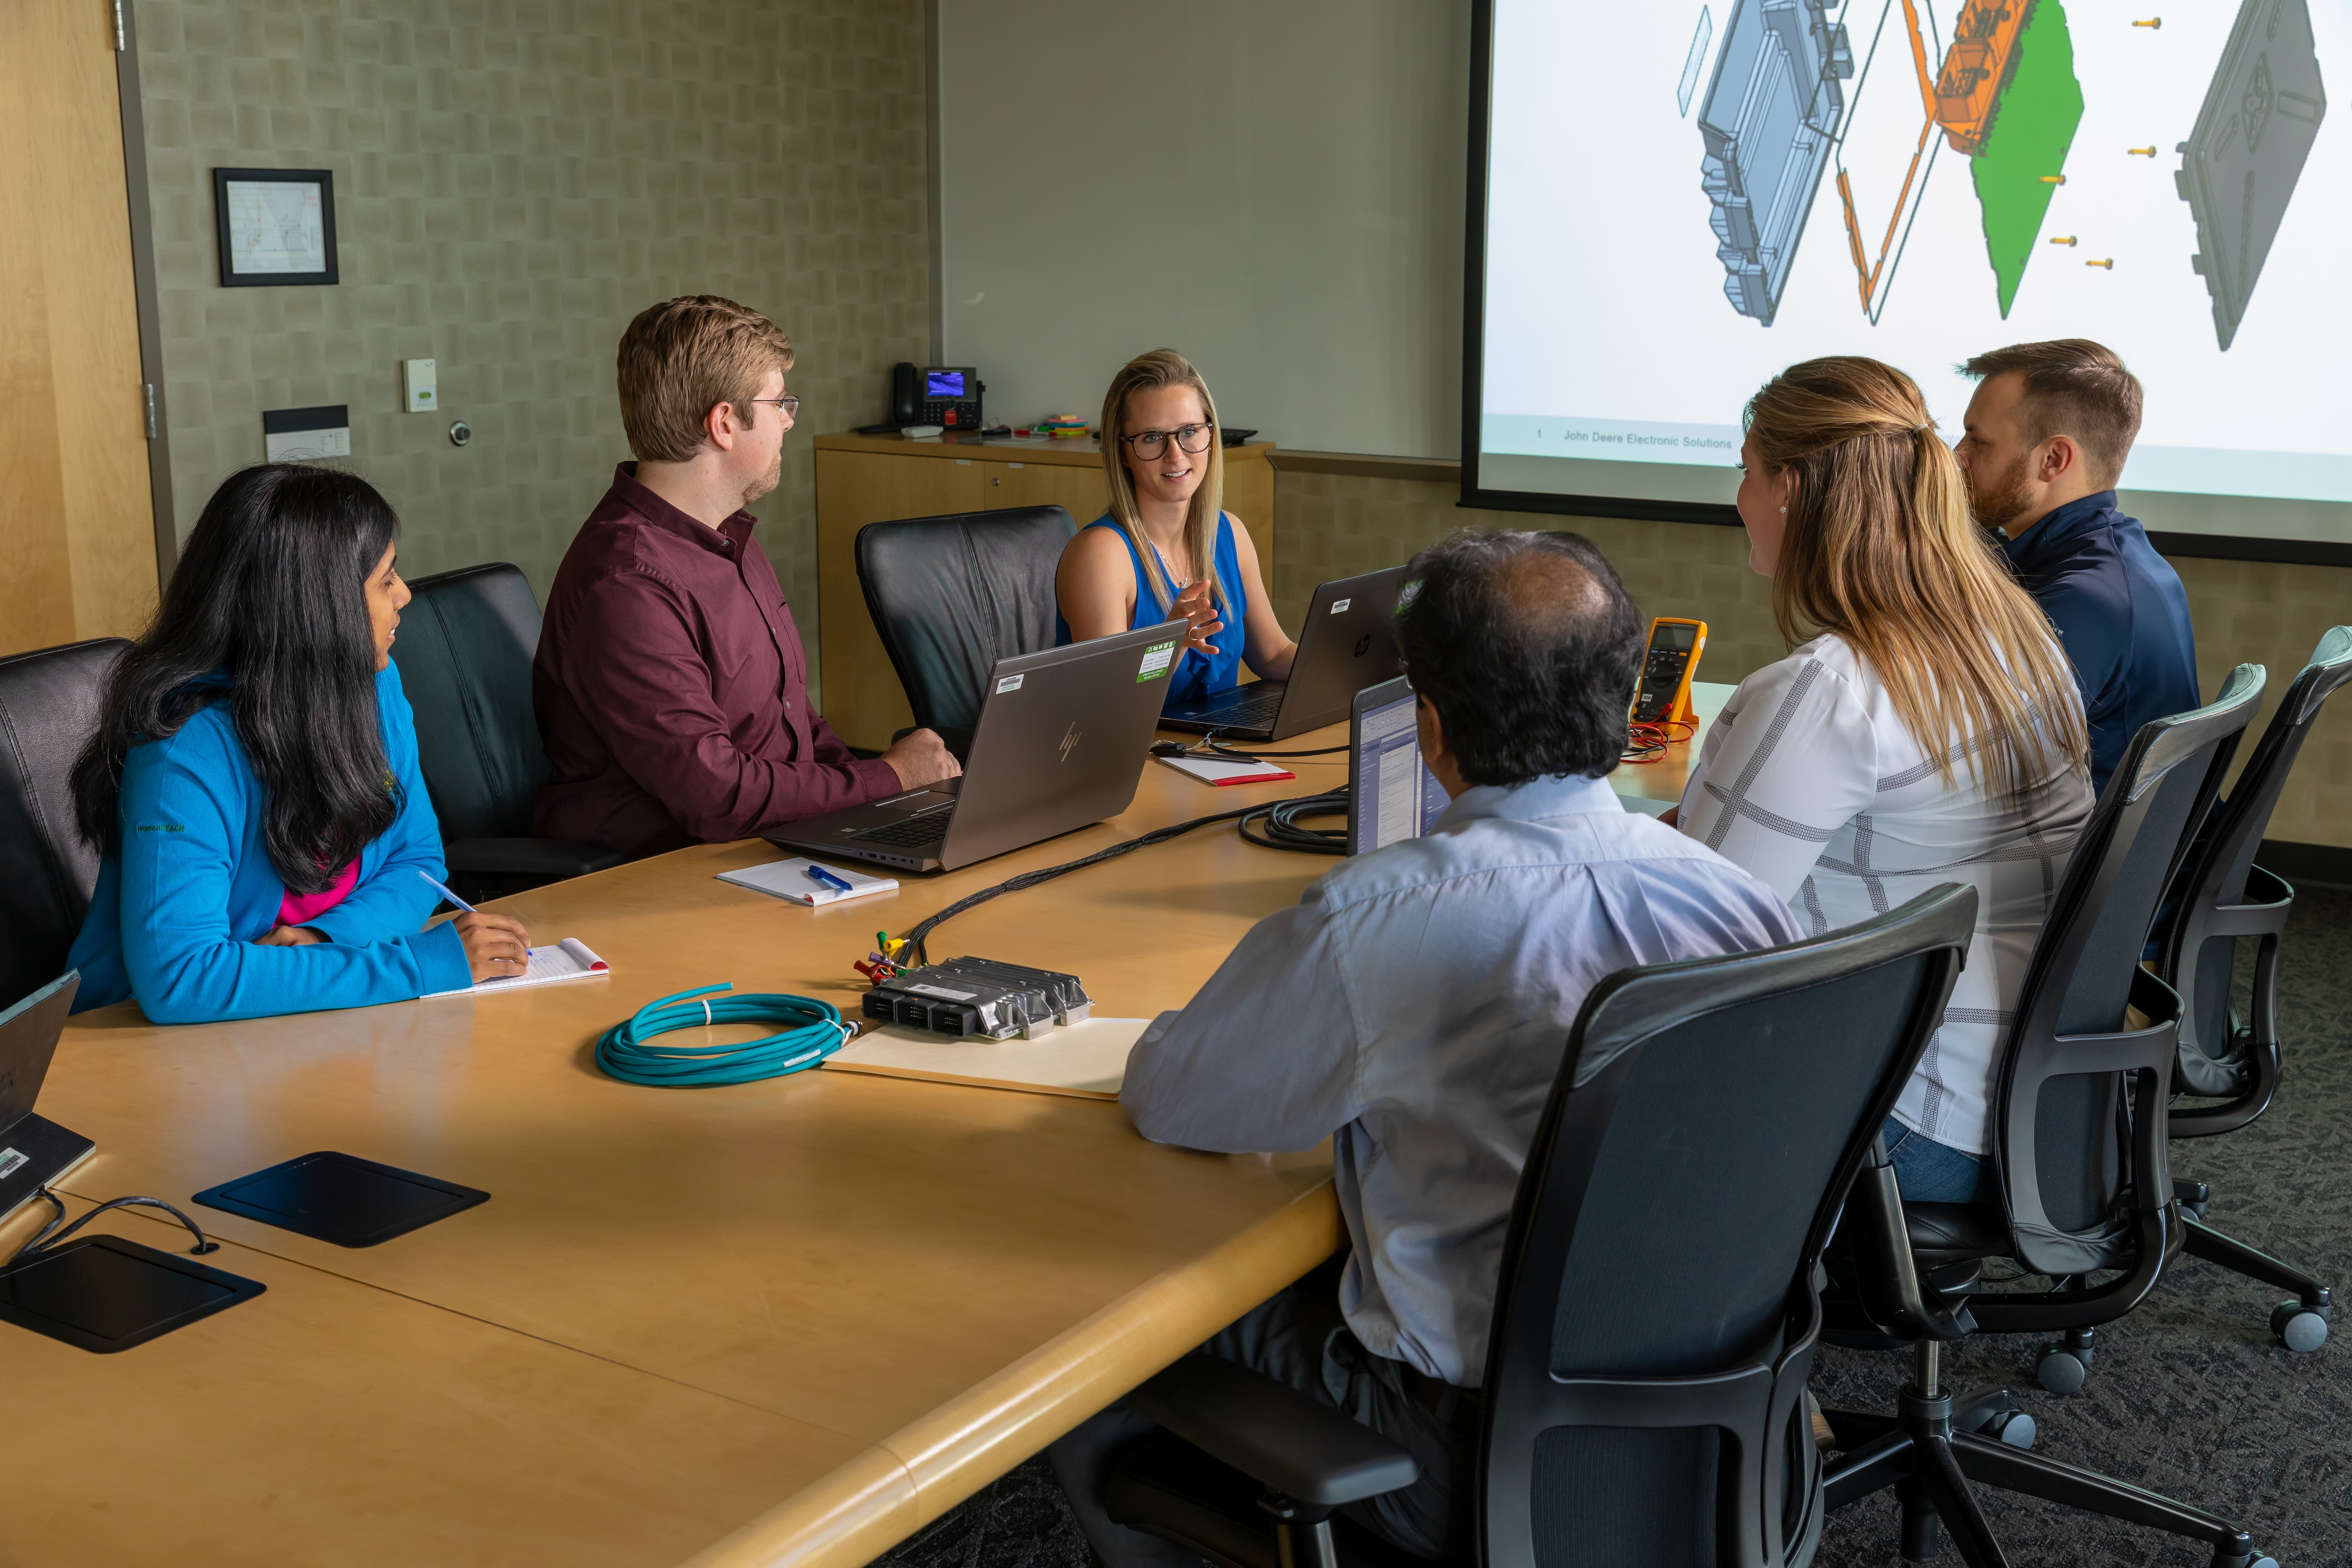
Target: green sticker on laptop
[[1155, 660]]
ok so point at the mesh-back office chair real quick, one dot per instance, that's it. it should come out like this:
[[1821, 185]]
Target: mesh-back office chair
[[2079, 1141], [2220, 895], [465, 648], [48, 710], [1659, 1296], [951, 596]]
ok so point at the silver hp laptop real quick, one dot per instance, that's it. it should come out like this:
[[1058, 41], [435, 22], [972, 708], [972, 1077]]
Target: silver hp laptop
[[1061, 744], [1349, 642], [33, 1151]]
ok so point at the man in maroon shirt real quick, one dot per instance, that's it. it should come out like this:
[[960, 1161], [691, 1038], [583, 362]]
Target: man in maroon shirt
[[671, 686]]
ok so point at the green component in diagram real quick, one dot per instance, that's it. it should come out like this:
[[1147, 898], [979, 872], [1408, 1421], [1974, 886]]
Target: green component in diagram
[[2028, 134]]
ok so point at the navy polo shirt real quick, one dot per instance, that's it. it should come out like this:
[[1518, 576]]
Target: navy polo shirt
[[2120, 614]]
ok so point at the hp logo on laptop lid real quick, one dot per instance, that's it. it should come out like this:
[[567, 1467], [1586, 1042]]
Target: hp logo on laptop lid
[[1070, 740]]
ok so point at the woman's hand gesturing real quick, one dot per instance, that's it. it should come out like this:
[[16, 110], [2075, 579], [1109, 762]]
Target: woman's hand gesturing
[[1200, 613]]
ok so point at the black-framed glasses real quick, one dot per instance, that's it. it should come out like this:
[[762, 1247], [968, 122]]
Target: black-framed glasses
[[1149, 444], [789, 405]]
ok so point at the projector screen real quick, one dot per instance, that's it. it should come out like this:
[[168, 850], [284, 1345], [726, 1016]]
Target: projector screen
[[1672, 201]]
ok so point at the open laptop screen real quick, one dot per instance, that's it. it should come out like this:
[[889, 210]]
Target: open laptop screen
[[1391, 796]]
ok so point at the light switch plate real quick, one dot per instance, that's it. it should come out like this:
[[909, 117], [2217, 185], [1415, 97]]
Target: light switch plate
[[420, 385]]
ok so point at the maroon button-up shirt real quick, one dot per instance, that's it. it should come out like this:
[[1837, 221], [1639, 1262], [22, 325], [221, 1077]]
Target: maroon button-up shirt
[[672, 689]]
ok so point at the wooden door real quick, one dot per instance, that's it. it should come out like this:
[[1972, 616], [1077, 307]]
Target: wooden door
[[78, 534]]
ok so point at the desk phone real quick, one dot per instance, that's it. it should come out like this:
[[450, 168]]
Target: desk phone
[[951, 397], [1662, 696]]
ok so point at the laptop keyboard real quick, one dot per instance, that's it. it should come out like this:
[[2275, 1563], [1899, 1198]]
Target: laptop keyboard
[[910, 832], [1253, 713]]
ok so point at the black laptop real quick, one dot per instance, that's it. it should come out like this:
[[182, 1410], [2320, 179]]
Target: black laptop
[[33, 1151], [1061, 744], [1349, 642]]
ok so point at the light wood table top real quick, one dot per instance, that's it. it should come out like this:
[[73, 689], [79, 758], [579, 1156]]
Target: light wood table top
[[325, 1422], [867, 1297]]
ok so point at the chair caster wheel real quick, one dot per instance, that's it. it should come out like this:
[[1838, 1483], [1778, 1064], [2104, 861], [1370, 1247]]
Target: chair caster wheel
[[2015, 1427], [2061, 1371], [2252, 1559], [2299, 1328]]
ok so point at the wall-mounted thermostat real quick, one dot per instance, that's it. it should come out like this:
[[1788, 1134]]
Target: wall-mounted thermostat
[[304, 435], [419, 386]]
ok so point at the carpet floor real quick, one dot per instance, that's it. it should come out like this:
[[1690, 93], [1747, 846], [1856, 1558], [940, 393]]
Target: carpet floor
[[2190, 1395]]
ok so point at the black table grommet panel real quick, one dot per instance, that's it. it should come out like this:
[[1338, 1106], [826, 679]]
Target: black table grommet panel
[[103, 1293], [341, 1198]]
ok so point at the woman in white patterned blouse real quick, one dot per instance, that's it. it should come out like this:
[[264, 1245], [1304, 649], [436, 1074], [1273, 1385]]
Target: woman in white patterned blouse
[[1923, 729]]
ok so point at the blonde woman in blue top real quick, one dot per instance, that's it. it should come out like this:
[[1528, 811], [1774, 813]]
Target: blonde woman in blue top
[[253, 786], [1167, 548]]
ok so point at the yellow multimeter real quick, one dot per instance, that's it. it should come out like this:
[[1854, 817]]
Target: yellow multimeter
[[1662, 695]]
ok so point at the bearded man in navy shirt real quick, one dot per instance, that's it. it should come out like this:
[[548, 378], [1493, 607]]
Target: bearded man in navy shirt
[[2048, 431]]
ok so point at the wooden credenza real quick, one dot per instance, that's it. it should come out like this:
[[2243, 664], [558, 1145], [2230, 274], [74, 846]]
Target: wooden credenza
[[880, 478]]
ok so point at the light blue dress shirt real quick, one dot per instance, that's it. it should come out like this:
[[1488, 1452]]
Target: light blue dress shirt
[[1413, 1007]]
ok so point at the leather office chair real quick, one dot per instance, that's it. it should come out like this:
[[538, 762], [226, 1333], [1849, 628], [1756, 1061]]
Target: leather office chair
[[465, 648], [2220, 896], [48, 710], [2086, 1187], [1707, 1122], [951, 596]]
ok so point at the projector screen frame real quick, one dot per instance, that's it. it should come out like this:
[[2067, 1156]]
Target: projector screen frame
[[1475, 493]]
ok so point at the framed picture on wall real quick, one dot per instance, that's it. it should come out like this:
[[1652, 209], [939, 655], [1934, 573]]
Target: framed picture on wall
[[275, 225]]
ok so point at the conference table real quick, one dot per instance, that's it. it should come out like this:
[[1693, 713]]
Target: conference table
[[782, 1322]]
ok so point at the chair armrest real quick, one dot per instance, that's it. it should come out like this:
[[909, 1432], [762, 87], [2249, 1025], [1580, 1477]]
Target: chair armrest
[[1884, 1271], [1272, 1434], [548, 858]]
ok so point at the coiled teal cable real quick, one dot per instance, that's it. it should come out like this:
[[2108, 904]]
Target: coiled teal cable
[[626, 1050]]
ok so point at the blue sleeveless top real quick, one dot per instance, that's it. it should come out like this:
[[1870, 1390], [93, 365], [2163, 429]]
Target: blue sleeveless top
[[1195, 677]]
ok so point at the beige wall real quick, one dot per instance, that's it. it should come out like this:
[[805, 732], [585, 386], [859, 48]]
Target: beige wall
[[1332, 525], [1275, 189], [512, 183]]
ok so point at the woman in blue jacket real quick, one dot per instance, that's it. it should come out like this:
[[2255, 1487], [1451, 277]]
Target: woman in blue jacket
[[253, 785]]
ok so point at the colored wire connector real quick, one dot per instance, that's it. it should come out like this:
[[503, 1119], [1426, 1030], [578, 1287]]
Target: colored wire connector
[[1648, 743], [625, 1051]]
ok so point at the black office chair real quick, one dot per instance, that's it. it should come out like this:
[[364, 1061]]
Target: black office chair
[[2220, 896], [2086, 1183], [48, 710], [951, 596], [1659, 1296], [465, 648]]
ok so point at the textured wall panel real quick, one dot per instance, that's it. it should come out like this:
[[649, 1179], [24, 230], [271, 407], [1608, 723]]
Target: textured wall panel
[[514, 179]]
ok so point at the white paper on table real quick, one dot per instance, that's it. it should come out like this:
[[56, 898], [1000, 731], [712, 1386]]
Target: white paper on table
[[567, 960], [1088, 1061]]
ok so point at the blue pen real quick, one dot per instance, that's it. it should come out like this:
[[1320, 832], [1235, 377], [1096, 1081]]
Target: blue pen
[[818, 874], [445, 893]]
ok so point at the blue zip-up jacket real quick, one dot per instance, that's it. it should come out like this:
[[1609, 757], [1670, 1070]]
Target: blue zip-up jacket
[[177, 911], [2121, 615]]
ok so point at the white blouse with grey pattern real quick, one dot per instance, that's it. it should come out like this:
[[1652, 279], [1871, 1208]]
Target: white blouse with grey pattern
[[1810, 781]]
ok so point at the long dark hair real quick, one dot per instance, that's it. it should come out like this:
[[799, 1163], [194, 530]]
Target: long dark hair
[[272, 592]]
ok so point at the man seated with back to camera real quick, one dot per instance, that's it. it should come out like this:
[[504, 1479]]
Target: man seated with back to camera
[[1414, 1007], [2047, 434], [670, 684]]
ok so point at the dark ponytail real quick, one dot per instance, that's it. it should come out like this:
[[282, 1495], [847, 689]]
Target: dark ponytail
[[271, 591]]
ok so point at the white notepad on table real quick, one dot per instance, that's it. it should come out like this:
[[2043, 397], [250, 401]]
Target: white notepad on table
[[1218, 771], [1085, 1060], [567, 960], [789, 880]]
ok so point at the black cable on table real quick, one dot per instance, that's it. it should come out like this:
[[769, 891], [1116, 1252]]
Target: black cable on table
[[916, 953], [48, 1237], [1282, 829]]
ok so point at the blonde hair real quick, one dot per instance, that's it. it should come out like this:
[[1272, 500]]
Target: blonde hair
[[1881, 551], [1148, 373], [681, 358]]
